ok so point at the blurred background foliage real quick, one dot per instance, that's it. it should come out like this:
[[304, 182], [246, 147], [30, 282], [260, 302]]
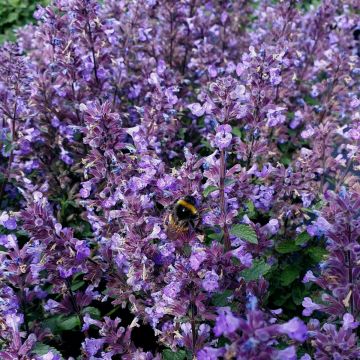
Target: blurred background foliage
[[15, 13]]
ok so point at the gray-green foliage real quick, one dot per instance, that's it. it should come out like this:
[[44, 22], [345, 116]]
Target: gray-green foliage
[[15, 13]]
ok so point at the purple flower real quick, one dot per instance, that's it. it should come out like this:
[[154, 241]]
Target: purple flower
[[349, 322], [287, 354], [209, 353], [223, 136], [309, 306], [82, 250], [226, 322], [92, 346], [319, 227], [7, 221], [275, 116], [49, 356], [306, 357], [10, 224], [273, 226], [197, 109], [210, 282], [308, 132], [275, 78], [309, 277], [172, 290], [295, 329], [243, 255], [196, 258]]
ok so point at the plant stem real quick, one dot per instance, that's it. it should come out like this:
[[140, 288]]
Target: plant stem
[[350, 274], [248, 162], [171, 38], [227, 243], [24, 310], [11, 157], [74, 304], [184, 63], [193, 326]]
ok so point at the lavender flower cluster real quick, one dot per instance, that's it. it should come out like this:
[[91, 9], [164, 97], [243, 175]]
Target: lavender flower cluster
[[111, 112]]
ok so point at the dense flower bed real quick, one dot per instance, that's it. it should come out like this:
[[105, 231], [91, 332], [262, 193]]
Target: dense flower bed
[[246, 114]]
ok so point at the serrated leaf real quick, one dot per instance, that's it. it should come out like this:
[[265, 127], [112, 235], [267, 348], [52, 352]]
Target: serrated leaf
[[43, 349], [171, 355], [302, 238], [221, 299], [244, 232], [316, 253], [209, 190], [286, 247], [259, 268]]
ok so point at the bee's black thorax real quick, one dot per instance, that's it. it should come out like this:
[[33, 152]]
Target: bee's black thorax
[[182, 217], [182, 213], [185, 208]]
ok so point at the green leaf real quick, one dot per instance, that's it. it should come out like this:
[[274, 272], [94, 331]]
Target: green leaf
[[236, 132], [8, 148], [229, 181], [9, 136], [302, 238], [216, 236], [221, 299], [206, 144], [289, 274], [316, 253], [69, 323], [310, 100], [286, 247], [12, 17], [170, 355], [77, 285], [113, 310], [259, 268], [43, 349], [251, 212], [244, 232], [21, 232], [93, 312], [285, 159], [209, 190], [282, 298], [298, 293]]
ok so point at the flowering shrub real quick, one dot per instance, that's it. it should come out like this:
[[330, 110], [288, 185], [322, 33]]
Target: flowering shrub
[[113, 113]]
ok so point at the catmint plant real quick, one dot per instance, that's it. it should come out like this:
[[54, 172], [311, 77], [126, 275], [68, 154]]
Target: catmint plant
[[115, 116]]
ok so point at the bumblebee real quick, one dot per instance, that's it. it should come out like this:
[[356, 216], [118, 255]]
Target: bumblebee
[[181, 220]]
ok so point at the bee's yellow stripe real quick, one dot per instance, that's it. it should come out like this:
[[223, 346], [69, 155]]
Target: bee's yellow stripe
[[189, 206]]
